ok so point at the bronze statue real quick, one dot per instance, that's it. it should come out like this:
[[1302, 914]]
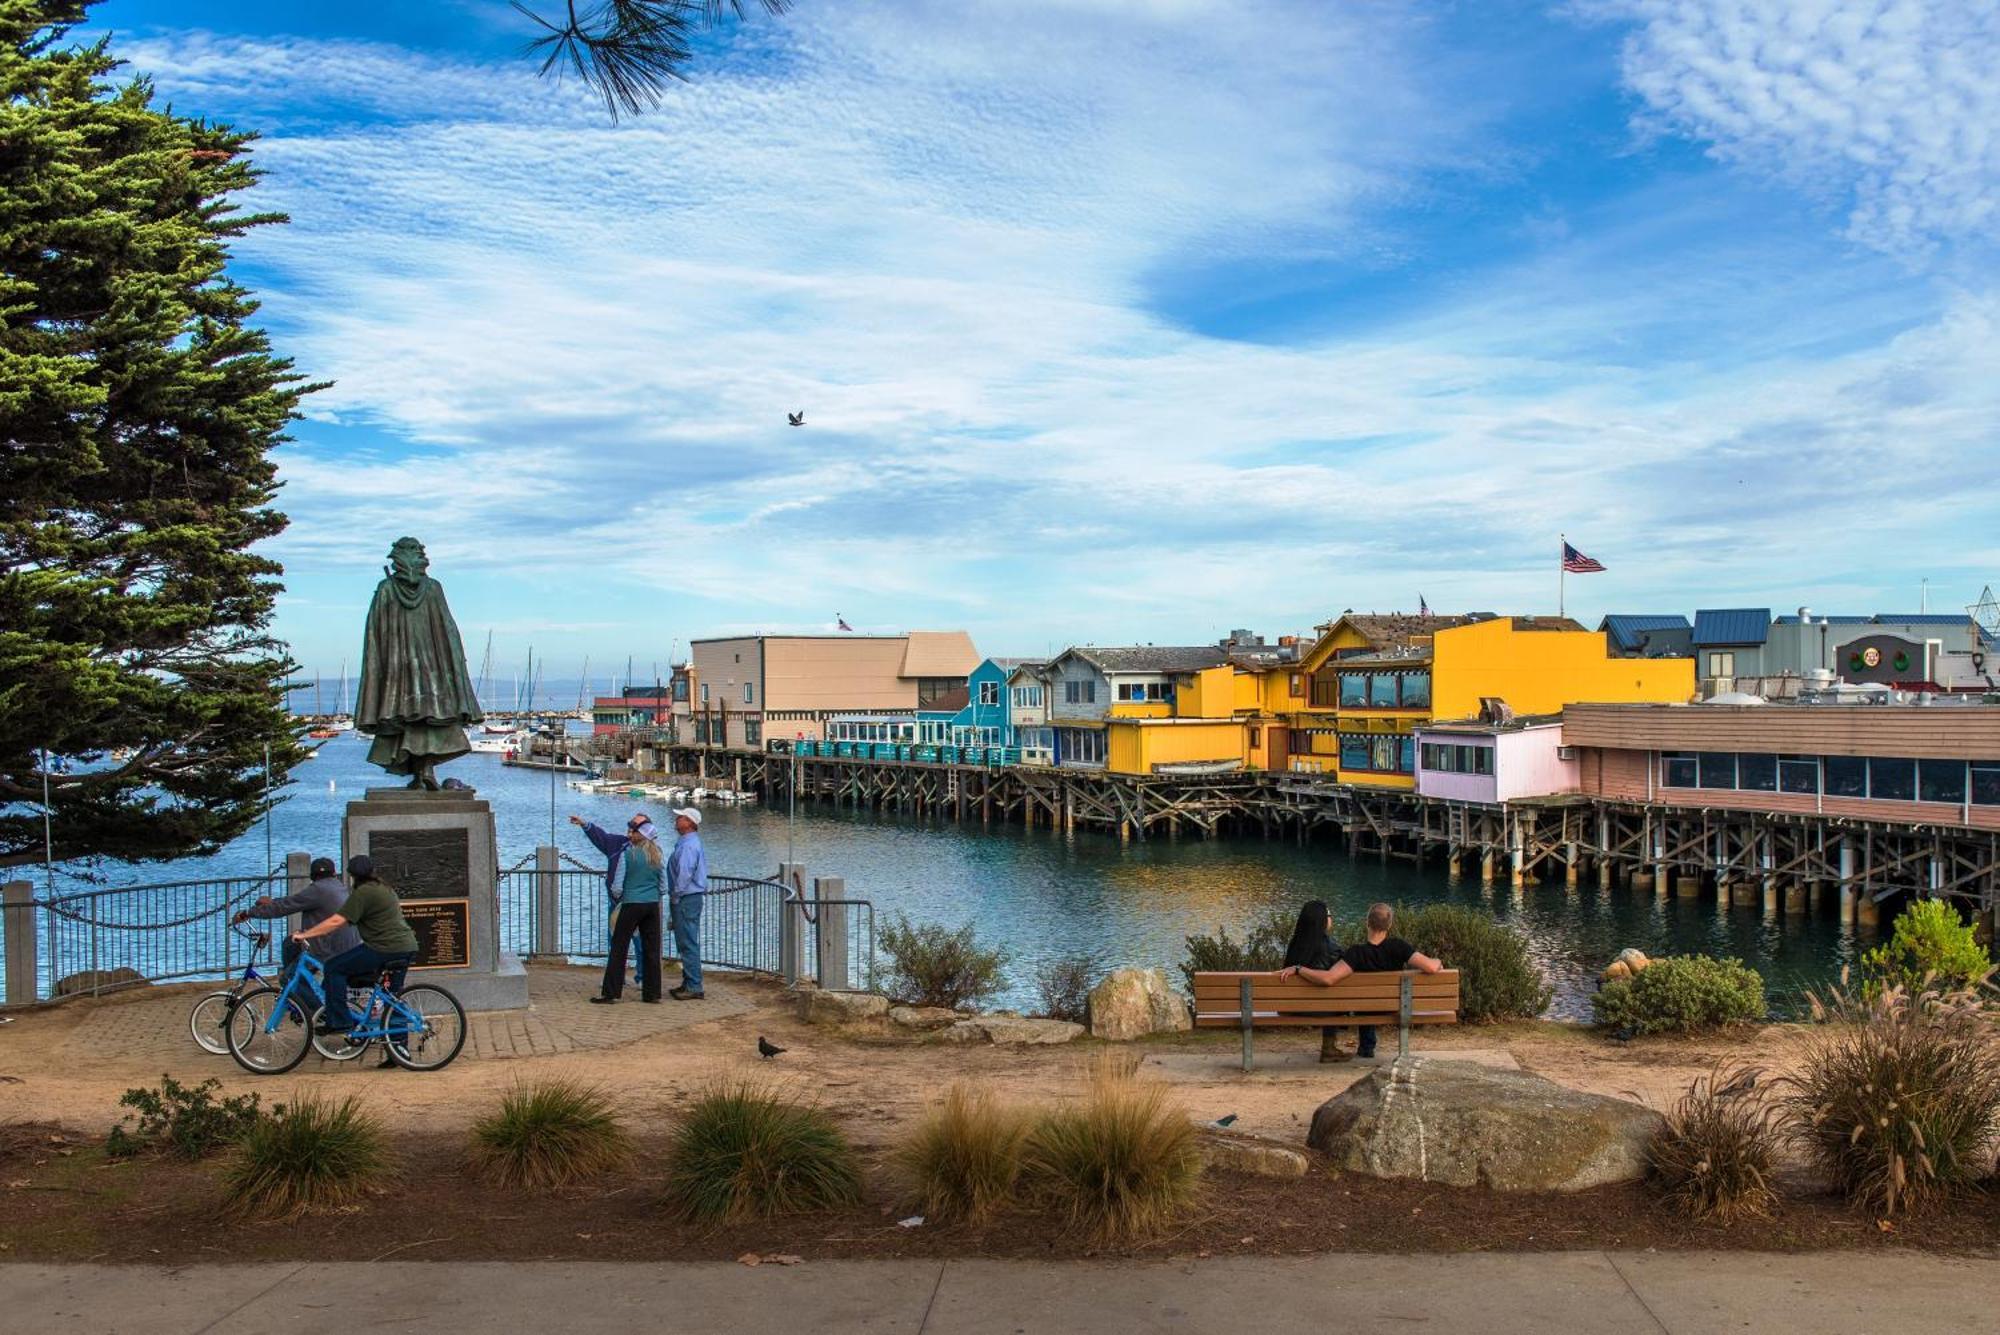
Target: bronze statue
[[416, 696]]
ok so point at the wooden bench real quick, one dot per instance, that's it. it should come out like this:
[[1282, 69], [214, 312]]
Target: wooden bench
[[1252, 1001]]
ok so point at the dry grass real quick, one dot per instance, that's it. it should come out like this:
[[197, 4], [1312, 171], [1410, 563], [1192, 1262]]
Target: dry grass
[[1715, 1157], [550, 1134], [745, 1152], [963, 1161], [310, 1154], [1121, 1164]]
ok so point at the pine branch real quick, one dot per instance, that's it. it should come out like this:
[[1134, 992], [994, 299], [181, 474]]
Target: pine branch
[[629, 51]]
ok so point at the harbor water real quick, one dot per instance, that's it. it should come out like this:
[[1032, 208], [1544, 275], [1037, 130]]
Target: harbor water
[[1043, 894]]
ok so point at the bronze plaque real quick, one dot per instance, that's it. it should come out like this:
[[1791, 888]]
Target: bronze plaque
[[424, 864], [443, 928]]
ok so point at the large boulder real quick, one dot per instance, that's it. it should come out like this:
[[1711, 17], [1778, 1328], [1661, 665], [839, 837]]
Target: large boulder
[[98, 980], [1010, 1029], [1469, 1125], [1131, 1003], [1248, 1154], [841, 1008], [923, 1018]]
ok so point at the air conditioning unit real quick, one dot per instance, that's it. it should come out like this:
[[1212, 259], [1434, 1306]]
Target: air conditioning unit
[[1565, 753]]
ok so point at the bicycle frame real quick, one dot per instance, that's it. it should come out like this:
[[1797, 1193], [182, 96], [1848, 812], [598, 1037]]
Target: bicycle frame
[[379, 1001]]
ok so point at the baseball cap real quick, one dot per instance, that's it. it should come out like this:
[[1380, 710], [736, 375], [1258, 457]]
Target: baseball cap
[[322, 868], [691, 813], [361, 865]]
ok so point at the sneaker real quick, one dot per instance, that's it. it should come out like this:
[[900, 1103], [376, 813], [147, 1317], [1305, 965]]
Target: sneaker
[[682, 994], [603, 1001]]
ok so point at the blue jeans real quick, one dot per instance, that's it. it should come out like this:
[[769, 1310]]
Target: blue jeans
[[345, 965], [687, 939], [1364, 1040]]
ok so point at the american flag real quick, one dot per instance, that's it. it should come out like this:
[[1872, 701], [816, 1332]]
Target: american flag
[[1577, 563], [1423, 608], [841, 621]]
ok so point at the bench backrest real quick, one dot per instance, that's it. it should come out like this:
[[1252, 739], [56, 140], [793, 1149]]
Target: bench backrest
[[1361, 997]]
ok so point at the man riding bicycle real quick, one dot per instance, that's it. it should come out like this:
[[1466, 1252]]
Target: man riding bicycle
[[314, 904], [387, 943]]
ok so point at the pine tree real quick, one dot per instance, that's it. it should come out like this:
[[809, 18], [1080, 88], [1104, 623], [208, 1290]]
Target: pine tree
[[138, 412]]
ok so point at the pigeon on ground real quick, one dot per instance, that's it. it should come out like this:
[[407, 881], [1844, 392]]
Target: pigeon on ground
[[796, 419], [766, 1048], [1222, 1122]]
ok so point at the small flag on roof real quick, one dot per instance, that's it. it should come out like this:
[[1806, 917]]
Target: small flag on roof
[[1423, 608], [1577, 563], [841, 621]]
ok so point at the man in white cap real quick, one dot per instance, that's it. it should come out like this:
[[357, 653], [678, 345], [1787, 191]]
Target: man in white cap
[[687, 881]]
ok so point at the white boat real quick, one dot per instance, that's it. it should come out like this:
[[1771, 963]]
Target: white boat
[[501, 745]]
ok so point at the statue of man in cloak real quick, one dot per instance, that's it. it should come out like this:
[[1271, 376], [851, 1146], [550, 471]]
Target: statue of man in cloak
[[416, 696]]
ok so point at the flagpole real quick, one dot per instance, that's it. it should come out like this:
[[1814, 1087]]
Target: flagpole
[[1562, 570]]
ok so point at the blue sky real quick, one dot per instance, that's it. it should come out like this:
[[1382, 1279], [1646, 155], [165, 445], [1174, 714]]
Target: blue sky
[[1123, 320]]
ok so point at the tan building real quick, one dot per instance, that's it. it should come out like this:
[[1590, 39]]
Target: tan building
[[751, 689]]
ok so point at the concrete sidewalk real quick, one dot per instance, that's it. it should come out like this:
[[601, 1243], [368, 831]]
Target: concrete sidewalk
[[1604, 1293]]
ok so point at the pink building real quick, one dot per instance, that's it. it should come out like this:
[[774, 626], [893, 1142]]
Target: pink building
[[1490, 763]]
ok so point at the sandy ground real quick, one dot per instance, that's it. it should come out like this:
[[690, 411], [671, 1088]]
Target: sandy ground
[[69, 1064]]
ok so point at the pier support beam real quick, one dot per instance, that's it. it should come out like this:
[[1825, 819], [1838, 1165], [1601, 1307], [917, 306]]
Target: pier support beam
[[1867, 912], [1794, 894], [1849, 897], [1642, 879], [1486, 867], [1688, 887]]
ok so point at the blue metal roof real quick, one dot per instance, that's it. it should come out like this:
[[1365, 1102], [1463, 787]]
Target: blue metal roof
[[1731, 625], [1791, 619], [1625, 628], [1921, 618]]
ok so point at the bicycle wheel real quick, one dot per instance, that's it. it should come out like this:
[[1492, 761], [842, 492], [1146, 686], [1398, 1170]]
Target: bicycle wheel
[[431, 1047], [261, 1047], [340, 1047], [208, 1022]]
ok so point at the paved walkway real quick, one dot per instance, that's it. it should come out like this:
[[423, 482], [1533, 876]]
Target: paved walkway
[[147, 1026], [1603, 1293]]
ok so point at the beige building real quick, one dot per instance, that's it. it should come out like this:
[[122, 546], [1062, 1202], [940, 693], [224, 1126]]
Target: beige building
[[751, 689]]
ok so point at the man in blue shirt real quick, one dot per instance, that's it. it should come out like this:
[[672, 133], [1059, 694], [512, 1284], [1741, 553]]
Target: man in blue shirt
[[687, 882]]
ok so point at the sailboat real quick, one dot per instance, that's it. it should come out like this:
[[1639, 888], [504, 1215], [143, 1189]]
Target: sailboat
[[322, 726], [342, 720], [506, 725]]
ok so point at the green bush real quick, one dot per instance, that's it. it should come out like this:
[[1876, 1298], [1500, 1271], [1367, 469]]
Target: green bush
[[1897, 1095], [1263, 947], [312, 1153], [1930, 941], [745, 1153], [933, 965], [962, 1161], [186, 1123], [1715, 1154], [1120, 1165], [1064, 984], [1496, 979], [1681, 994], [549, 1134]]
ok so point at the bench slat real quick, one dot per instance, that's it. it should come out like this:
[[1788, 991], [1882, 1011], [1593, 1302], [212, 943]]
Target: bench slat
[[1320, 1021], [1388, 986]]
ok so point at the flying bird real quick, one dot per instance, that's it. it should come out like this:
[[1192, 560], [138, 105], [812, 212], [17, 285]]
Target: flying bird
[[798, 418], [767, 1049]]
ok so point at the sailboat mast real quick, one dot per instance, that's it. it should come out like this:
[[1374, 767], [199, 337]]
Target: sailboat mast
[[583, 684]]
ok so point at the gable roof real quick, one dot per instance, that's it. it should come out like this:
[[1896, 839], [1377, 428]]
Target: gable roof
[[1627, 629], [1149, 657], [1732, 625], [939, 653], [1383, 629]]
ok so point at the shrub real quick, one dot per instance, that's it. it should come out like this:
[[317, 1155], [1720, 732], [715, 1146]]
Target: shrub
[[1932, 943], [1680, 994], [548, 1134], [1715, 1155], [1496, 979], [186, 1123], [1262, 947], [1121, 1164], [312, 1153], [1897, 1095], [963, 1160], [1064, 985], [745, 1153], [933, 965]]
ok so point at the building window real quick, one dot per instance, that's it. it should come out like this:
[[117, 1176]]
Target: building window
[[701, 732], [1677, 769], [1298, 683], [1722, 665], [1406, 756], [1846, 776], [1986, 783], [1353, 690], [681, 689], [704, 692], [1080, 692], [930, 690], [1382, 691], [749, 694], [989, 692], [1354, 752], [1718, 769], [1457, 758], [1256, 737], [1757, 773], [1941, 781], [1417, 690], [753, 732], [1892, 779], [1079, 746], [1798, 774]]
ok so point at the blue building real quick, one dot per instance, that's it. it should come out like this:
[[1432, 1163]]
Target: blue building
[[975, 715]]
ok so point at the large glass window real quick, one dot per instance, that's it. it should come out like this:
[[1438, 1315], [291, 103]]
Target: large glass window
[[1406, 756], [1080, 746], [1382, 690], [1677, 769], [989, 692], [1417, 689], [1757, 773], [1941, 781], [1846, 776], [1354, 752], [1798, 774], [753, 732], [1080, 692], [1892, 779], [1986, 783], [1718, 769], [1353, 690], [1433, 755]]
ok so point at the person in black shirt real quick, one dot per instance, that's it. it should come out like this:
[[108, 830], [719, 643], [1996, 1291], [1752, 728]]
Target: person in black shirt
[[1380, 953], [1313, 947]]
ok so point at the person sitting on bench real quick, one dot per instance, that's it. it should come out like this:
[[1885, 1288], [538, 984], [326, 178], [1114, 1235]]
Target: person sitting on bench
[[1380, 953], [1313, 947]]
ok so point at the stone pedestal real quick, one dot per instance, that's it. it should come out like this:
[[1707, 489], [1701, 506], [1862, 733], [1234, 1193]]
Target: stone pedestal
[[439, 853]]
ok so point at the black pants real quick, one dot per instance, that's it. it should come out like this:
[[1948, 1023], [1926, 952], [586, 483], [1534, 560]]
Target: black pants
[[643, 920]]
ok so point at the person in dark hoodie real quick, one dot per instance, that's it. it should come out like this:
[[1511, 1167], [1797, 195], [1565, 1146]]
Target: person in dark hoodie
[[1313, 947], [315, 902]]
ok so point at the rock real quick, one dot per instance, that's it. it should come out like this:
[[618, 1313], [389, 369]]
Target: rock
[[1131, 1003], [1247, 1154], [838, 1008], [922, 1017], [1615, 971], [1010, 1029], [1469, 1125], [99, 980], [1628, 963]]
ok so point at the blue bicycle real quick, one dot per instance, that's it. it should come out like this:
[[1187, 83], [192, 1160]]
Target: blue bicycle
[[422, 1025], [208, 1022]]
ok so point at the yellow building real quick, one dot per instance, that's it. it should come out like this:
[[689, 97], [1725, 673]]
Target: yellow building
[[1230, 716], [1370, 680]]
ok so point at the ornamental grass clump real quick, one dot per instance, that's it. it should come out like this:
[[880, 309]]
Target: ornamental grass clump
[[1121, 1164], [744, 1152], [1897, 1095], [934, 965], [1681, 994], [1715, 1154], [963, 1160], [310, 1154], [550, 1134]]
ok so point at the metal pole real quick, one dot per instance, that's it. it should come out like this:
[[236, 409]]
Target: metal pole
[[552, 788], [268, 865], [48, 830]]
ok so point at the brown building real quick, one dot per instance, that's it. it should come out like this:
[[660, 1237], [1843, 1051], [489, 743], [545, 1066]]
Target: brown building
[[750, 689], [1908, 764]]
